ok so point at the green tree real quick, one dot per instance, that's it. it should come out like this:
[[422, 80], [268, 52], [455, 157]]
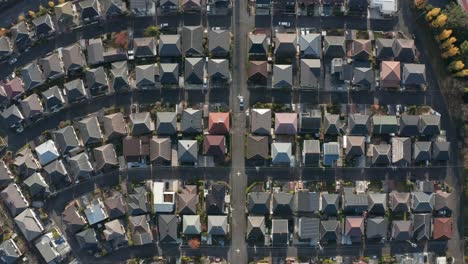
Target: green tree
[[152, 31], [464, 49], [457, 20]]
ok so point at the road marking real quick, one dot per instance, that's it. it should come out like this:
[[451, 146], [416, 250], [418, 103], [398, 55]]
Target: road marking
[[238, 173], [238, 251]]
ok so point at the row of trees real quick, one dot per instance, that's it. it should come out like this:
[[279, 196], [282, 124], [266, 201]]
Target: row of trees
[[451, 27]]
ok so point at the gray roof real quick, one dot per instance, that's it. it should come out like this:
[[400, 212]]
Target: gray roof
[[187, 151], [114, 125], [160, 149], [259, 203], [112, 7], [414, 74], [399, 202], [169, 46], [285, 45], [80, 166], [257, 147], [329, 230], [404, 50], [422, 150], [258, 44], [422, 226], [218, 68], [47, 250], [363, 76], [144, 47], [383, 124], [105, 156], [66, 139], [191, 225], [309, 228], [381, 154], [169, 73], [255, 227], [311, 45], [191, 121], [260, 121], [331, 124], [310, 72], [307, 202], [311, 152], [119, 76], [51, 66], [115, 205], [141, 123], [219, 42], [89, 9], [402, 230], [9, 252], [355, 203], [377, 203], [31, 106], [334, 46], [53, 97], [140, 230], [72, 57], [5, 46], [95, 51], [14, 199], [43, 25], [36, 185], [281, 153], [75, 90], [136, 202], [192, 40], [167, 227], [55, 172], [429, 125], [217, 225], [145, 75], [90, 130], [442, 201], [409, 125], [26, 163], [114, 233], [6, 177], [87, 239], [355, 146], [166, 123], [376, 228], [194, 70], [187, 200], [282, 75], [29, 225], [358, 124], [96, 79], [441, 150], [283, 204], [280, 231], [310, 122], [383, 49], [422, 202], [31, 76]]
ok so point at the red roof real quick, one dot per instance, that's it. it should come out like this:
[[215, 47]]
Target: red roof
[[14, 88], [214, 145], [442, 228], [218, 123], [354, 226]]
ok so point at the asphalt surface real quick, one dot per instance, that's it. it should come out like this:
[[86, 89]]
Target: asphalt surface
[[11, 11]]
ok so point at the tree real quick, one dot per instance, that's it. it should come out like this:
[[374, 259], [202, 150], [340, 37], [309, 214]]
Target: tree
[[420, 4], [20, 18], [32, 14], [445, 34], [440, 21], [462, 73], [61, 1], [51, 4], [121, 40], [457, 65], [448, 43], [464, 48], [457, 20], [451, 52], [152, 31], [432, 13]]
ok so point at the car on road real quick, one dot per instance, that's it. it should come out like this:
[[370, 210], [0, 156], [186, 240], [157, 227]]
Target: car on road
[[241, 101], [12, 61], [284, 24]]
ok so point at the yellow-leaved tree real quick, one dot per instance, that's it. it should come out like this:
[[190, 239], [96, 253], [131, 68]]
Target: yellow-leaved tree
[[448, 43], [462, 73], [20, 18], [32, 14], [451, 52], [445, 34], [420, 4], [432, 13], [439, 21], [457, 65], [51, 4]]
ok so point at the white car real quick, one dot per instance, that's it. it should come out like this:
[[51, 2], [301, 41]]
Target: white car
[[284, 24], [241, 101]]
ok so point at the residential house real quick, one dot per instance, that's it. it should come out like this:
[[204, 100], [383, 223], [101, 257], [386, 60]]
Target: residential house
[[52, 66], [386, 7], [25, 163], [66, 140], [187, 151], [409, 125], [170, 46], [361, 49], [31, 75], [166, 123], [402, 230], [311, 152], [47, 152], [279, 232], [44, 26], [136, 149], [263, 7], [334, 46], [53, 247], [167, 227], [404, 50], [381, 154], [112, 8], [376, 228], [218, 70], [6, 177], [422, 151], [285, 123], [140, 230], [73, 59], [53, 99], [90, 130], [168, 6], [95, 212], [257, 147], [215, 145], [218, 225], [363, 76], [192, 41], [142, 8], [354, 228], [429, 125], [75, 91], [14, 199], [137, 202], [37, 186], [114, 126], [258, 45], [329, 230], [21, 36], [413, 75], [145, 76], [310, 122], [401, 150], [114, 233], [106, 158], [441, 151], [115, 206], [187, 200], [31, 107], [390, 74], [358, 5], [422, 202], [191, 5], [310, 73], [331, 153], [141, 123], [29, 225], [306, 202], [377, 203], [260, 121], [6, 48], [282, 76], [218, 123], [95, 50], [310, 46], [72, 218], [399, 202], [355, 147], [119, 76], [191, 121], [163, 199], [308, 230], [169, 73], [281, 154], [258, 72], [384, 48], [90, 10], [160, 150], [215, 200], [359, 124], [354, 203], [194, 70], [384, 124], [258, 203], [191, 225], [219, 42], [144, 47], [9, 251], [442, 228], [283, 204], [256, 229], [13, 88], [331, 124], [96, 80], [87, 240], [285, 45], [422, 226], [80, 166]]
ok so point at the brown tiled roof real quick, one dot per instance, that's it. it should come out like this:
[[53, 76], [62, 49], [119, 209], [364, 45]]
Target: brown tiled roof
[[390, 73], [361, 48], [14, 87], [218, 123], [442, 228], [258, 68], [214, 145], [131, 146], [354, 226]]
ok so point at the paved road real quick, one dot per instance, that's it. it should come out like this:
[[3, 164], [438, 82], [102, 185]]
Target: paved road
[[9, 14]]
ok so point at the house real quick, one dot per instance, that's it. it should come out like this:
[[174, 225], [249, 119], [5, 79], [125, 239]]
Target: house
[[311, 152], [80, 166], [5, 47], [9, 252], [114, 126], [114, 233], [331, 153], [191, 225], [141, 8], [170, 46], [13, 88], [115, 206], [194, 70], [258, 203], [390, 74], [409, 125], [257, 147], [95, 51], [192, 41], [401, 150], [283, 204], [404, 50], [72, 218], [426, 186], [307, 202], [260, 121], [377, 203], [75, 91], [263, 7], [258, 45], [87, 240], [44, 26], [95, 212], [52, 67], [167, 227], [413, 75], [169, 73], [381, 154], [329, 230], [329, 204], [376, 228], [358, 5], [363, 76], [47, 152], [29, 225], [442, 202], [310, 122], [281, 154], [285, 45], [386, 7], [6, 177], [169, 6], [354, 228], [25, 163], [53, 247], [137, 202], [163, 199], [219, 42], [285, 123], [140, 230], [355, 203], [187, 151], [56, 174], [402, 230], [334, 46], [144, 47], [66, 140], [282, 76], [441, 151], [160, 150], [399, 202], [119, 76], [308, 230], [72, 57], [37, 186], [31, 107], [384, 47], [166, 123], [258, 72], [191, 5], [191, 121], [90, 10], [422, 226], [310, 46], [442, 228], [383, 124], [429, 125], [331, 124], [218, 123], [21, 37], [106, 158], [422, 202], [187, 200], [90, 130], [310, 73], [361, 49], [96, 80], [14, 199], [358, 124], [214, 145], [53, 99], [112, 8], [422, 151], [141, 123], [256, 229], [215, 200], [31, 75], [218, 70], [218, 225], [145, 76], [134, 150], [355, 147], [279, 232]]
